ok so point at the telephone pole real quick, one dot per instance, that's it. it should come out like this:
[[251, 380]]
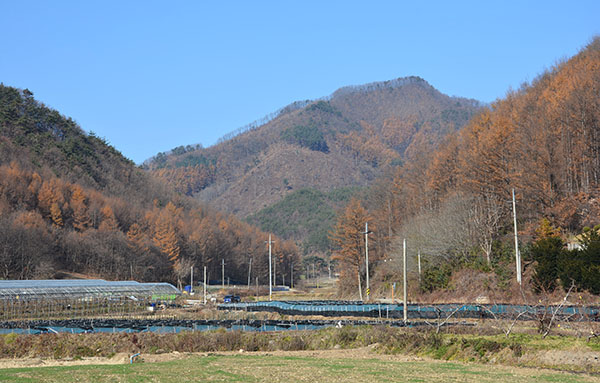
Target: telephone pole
[[419, 263], [517, 253], [366, 233], [223, 274], [191, 280], [270, 269], [249, 272], [204, 284], [404, 278]]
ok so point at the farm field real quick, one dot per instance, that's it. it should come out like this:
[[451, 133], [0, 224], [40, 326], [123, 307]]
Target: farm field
[[357, 365]]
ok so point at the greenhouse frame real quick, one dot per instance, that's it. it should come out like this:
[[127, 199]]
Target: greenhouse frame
[[29, 290]]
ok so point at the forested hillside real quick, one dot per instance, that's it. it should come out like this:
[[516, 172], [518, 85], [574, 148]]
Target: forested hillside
[[305, 216], [71, 203], [453, 204], [345, 140]]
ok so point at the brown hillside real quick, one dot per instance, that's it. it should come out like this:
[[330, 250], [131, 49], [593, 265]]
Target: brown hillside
[[71, 203], [283, 168], [453, 204], [344, 140]]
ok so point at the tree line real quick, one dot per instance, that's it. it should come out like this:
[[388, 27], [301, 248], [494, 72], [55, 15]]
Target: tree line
[[49, 224]]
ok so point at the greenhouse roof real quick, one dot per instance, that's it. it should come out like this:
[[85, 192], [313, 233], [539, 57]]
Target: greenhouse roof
[[78, 288]]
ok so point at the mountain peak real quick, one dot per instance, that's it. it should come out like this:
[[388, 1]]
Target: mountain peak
[[378, 85]]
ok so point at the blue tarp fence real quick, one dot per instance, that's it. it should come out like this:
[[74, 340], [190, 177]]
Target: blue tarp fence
[[414, 311]]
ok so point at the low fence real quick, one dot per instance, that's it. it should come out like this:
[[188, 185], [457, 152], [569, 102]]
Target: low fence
[[107, 325], [415, 311]]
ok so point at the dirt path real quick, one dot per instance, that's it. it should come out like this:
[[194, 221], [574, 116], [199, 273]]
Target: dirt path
[[121, 358]]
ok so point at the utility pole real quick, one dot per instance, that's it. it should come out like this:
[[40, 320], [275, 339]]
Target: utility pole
[[366, 233], [204, 284], [292, 274], [404, 277], [419, 263], [249, 272], [517, 253], [223, 274], [270, 270], [192, 280]]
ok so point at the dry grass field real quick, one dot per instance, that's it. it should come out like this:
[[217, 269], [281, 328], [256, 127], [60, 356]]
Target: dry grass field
[[331, 366]]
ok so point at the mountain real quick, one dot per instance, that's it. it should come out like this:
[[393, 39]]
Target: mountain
[[453, 204], [71, 203], [342, 141], [37, 137]]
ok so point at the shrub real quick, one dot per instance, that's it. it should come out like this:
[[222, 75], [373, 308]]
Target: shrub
[[435, 277], [546, 252]]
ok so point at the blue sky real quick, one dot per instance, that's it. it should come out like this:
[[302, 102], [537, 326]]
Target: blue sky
[[152, 75]]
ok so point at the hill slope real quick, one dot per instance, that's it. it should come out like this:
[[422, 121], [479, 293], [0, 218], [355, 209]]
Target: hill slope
[[453, 204], [71, 202], [38, 137], [305, 216], [345, 140]]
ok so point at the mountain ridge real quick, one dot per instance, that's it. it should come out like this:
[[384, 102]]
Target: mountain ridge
[[299, 104], [342, 140]]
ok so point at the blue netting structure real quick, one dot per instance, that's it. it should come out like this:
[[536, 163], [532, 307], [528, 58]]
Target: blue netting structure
[[27, 290], [414, 311]]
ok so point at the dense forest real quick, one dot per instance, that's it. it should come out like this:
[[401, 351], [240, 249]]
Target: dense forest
[[305, 216], [453, 204], [71, 203]]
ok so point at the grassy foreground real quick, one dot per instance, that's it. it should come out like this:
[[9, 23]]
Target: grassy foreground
[[267, 368], [565, 353]]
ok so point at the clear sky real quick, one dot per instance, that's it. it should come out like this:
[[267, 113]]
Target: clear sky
[[152, 75]]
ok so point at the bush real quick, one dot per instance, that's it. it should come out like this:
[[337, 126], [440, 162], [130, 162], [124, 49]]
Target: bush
[[546, 252], [435, 277], [581, 266]]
